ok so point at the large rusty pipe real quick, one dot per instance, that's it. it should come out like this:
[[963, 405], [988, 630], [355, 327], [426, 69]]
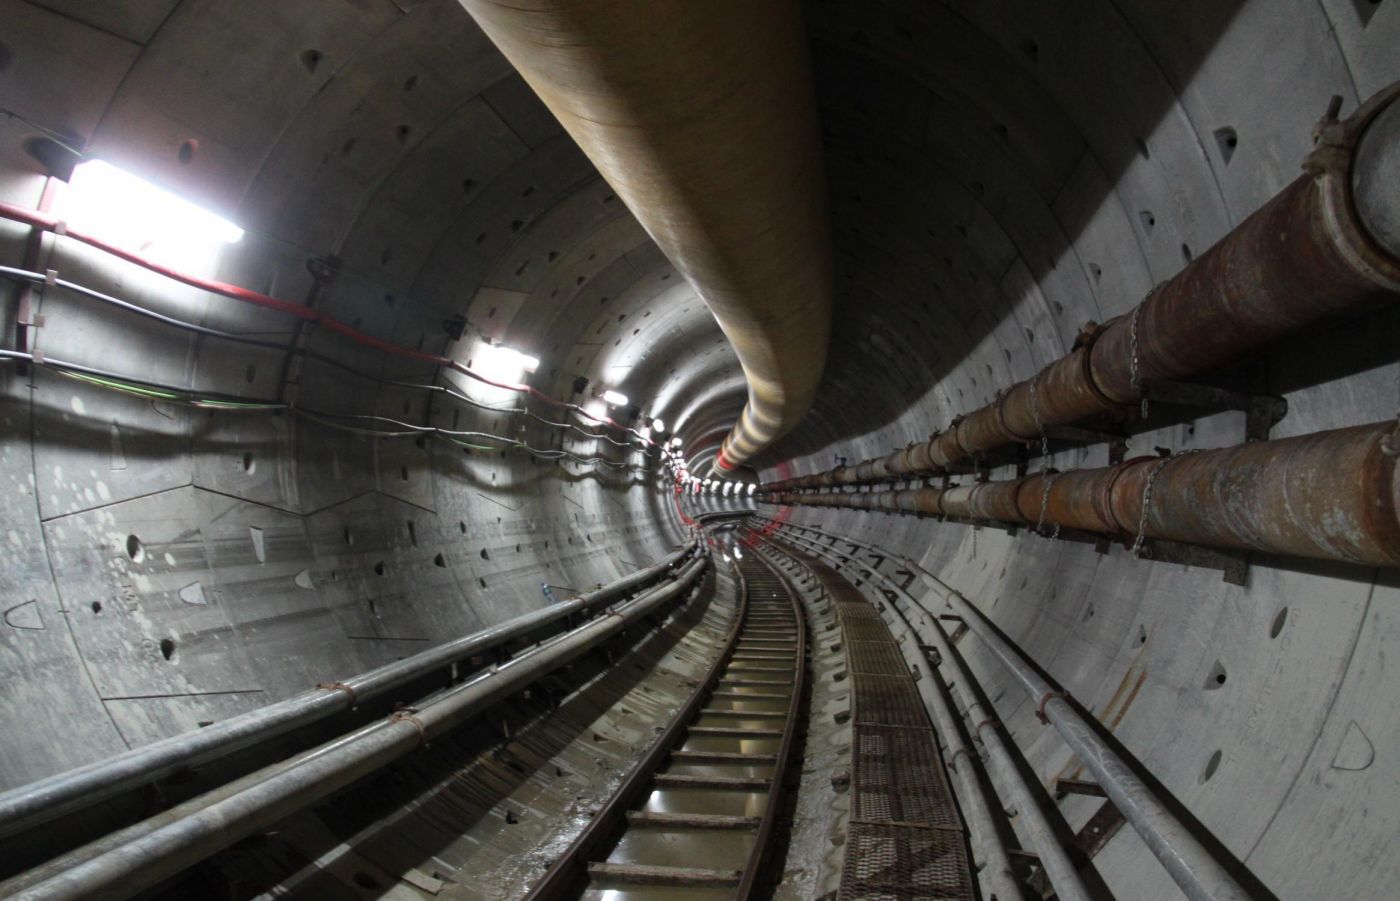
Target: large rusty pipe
[[702, 117], [1326, 245], [1330, 495]]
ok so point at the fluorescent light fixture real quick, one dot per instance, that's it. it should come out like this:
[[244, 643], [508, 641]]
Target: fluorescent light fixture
[[738, 554], [676, 441], [659, 425], [502, 364], [116, 206], [614, 398]]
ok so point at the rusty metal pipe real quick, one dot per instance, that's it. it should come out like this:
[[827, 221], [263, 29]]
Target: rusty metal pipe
[[1326, 245], [702, 117], [1330, 495]]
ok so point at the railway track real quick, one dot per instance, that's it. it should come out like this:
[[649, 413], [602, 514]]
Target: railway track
[[695, 817]]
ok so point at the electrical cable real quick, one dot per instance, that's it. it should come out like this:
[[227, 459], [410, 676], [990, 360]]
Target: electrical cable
[[49, 222], [83, 291], [158, 391]]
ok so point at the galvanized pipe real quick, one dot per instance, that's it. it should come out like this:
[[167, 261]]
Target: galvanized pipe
[[174, 845], [981, 724], [1330, 495], [1327, 245], [1199, 875], [997, 873], [64, 793], [702, 117]]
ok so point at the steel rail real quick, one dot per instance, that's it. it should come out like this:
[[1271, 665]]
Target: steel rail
[[998, 872], [570, 869], [1194, 869], [570, 873], [168, 846], [64, 793]]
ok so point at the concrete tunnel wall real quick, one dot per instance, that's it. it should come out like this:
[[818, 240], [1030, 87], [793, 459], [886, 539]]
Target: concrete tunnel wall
[[1000, 174]]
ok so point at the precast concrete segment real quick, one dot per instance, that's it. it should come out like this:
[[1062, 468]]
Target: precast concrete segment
[[1331, 495], [172, 845], [702, 118], [1194, 869], [1324, 246], [64, 793]]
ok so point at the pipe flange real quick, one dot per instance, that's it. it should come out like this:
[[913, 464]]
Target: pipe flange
[[340, 686], [409, 715], [1332, 163], [1040, 708]]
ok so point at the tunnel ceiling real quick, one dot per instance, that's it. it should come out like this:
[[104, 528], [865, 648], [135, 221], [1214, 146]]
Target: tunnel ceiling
[[999, 176]]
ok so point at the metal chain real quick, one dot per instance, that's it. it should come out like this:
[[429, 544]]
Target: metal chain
[[1133, 371], [1040, 426], [1046, 480], [1133, 377], [1147, 497]]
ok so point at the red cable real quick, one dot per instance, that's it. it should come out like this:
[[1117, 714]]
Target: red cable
[[51, 223]]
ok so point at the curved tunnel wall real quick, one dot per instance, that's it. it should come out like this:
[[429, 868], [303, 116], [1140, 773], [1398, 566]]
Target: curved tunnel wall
[[1027, 171], [999, 174], [168, 566]]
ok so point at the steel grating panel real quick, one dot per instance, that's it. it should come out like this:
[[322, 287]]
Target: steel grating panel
[[897, 777], [905, 838], [888, 701], [865, 629], [882, 658], [903, 863]]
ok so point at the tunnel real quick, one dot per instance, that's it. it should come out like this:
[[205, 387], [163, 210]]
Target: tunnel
[[648, 449]]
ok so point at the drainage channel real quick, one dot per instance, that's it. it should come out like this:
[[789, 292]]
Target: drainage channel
[[695, 817]]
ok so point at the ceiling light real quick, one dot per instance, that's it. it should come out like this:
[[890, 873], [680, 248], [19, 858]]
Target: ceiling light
[[116, 206], [502, 364], [659, 425], [615, 398]]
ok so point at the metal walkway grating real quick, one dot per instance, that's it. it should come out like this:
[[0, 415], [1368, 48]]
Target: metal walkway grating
[[905, 837]]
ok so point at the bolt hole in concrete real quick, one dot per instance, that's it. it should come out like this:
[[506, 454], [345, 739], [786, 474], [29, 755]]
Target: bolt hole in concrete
[[1212, 765], [379, 568], [167, 648], [96, 606], [1226, 140], [1279, 620], [187, 151], [134, 549], [310, 59], [1215, 678], [248, 462], [440, 560]]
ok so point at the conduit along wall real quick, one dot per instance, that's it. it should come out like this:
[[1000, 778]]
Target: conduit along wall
[[141, 855], [1324, 246], [1331, 495], [702, 118]]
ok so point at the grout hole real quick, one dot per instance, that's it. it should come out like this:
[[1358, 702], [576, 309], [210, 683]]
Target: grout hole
[[1226, 140], [167, 648], [1279, 620], [310, 59], [1212, 765], [187, 151], [134, 549]]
